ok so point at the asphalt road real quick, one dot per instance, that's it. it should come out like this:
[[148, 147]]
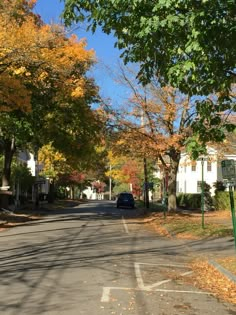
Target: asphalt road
[[93, 260]]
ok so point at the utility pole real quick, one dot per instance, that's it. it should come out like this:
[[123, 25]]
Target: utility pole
[[146, 186]]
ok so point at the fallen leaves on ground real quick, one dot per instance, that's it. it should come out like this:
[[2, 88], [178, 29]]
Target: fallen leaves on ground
[[228, 263], [27, 214], [11, 220], [207, 277], [161, 230]]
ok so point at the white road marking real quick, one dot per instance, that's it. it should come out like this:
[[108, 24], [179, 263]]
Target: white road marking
[[165, 265], [157, 284], [149, 288], [139, 276], [125, 225], [106, 294], [140, 279], [186, 273], [107, 290]]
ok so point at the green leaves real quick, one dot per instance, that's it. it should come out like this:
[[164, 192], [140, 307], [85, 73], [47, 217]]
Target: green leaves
[[165, 34], [187, 44], [194, 148]]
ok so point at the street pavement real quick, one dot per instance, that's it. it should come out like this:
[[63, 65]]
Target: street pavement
[[95, 259]]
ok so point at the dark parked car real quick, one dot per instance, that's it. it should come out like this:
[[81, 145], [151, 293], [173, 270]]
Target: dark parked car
[[125, 200]]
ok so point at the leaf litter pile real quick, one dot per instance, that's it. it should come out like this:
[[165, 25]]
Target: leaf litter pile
[[207, 277], [8, 220]]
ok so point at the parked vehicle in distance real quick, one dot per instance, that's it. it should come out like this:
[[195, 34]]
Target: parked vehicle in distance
[[125, 200]]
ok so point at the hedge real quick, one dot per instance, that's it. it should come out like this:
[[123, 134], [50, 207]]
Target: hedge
[[190, 201], [222, 200]]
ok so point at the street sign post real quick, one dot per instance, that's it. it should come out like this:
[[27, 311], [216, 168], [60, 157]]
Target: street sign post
[[229, 174], [228, 170]]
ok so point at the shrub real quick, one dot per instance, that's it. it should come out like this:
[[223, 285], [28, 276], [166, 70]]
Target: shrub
[[191, 201], [219, 186], [222, 200], [121, 188]]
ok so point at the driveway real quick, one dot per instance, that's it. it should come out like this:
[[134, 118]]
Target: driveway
[[95, 259]]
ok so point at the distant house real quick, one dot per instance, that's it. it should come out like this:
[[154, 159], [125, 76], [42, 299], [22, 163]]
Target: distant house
[[189, 175], [28, 159], [90, 193]]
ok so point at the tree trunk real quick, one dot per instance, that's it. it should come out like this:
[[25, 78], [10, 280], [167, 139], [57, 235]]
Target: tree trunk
[[9, 151], [73, 192], [146, 188], [172, 174], [51, 193]]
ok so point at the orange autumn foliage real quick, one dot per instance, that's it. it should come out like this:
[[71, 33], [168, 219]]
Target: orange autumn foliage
[[155, 124], [33, 54]]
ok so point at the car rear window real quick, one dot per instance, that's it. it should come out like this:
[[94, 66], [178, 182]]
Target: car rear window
[[126, 196]]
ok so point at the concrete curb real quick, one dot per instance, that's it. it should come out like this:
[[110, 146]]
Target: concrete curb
[[224, 271]]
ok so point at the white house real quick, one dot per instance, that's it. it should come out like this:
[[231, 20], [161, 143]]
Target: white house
[[28, 159], [190, 173], [189, 176]]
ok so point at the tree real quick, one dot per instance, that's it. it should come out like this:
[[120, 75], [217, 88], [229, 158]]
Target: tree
[[115, 166], [189, 44], [99, 186], [74, 179], [42, 79], [53, 162], [125, 172], [22, 179], [60, 170], [154, 124], [126, 168], [133, 169]]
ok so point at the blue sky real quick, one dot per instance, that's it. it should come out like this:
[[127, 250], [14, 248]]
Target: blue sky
[[103, 45]]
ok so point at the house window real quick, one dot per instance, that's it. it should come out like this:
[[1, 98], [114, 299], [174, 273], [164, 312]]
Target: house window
[[199, 186], [194, 166], [208, 166]]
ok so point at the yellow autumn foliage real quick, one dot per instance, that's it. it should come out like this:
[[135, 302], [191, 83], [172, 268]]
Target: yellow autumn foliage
[[53, 161], [32, 53]]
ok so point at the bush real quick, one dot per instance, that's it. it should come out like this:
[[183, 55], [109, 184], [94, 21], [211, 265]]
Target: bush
[[222, 200], [219, 186], [190, 201], [43, 197], [121, 188]]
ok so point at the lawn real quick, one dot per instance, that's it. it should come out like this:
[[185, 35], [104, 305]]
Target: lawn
[[190, 225]]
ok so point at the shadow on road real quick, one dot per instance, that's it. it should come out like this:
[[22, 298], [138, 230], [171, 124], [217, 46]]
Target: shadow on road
[[32, 272]]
